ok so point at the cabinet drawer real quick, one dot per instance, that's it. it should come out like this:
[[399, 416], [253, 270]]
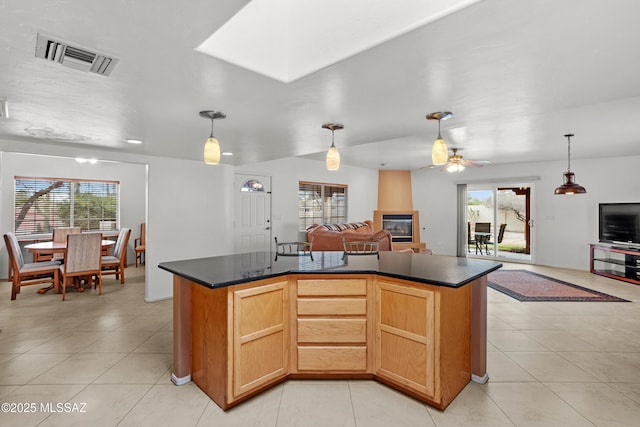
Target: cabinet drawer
[[332, 330], [328, 287], [353, 358], [332, 306]]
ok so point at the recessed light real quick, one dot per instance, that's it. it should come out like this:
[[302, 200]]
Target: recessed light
[[227, 153], [133, 141], [83, 160]]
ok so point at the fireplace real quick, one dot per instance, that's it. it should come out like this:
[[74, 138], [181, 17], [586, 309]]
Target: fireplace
[[400, 226]]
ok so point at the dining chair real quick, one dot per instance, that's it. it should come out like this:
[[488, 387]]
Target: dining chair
[[116, 263], [60, 236], [361, 248], [82, 258], [28, 273], [293, 248], [139, 244]]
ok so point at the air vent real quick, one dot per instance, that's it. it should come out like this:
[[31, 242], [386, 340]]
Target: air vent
[[73, 56]]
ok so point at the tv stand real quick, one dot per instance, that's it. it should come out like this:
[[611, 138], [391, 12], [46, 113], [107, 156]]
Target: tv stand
[[616, 262]]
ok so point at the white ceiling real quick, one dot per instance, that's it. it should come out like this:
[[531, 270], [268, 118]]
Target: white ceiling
[[516, 74]]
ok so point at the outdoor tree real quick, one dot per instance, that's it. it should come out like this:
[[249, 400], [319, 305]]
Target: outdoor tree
[[510, 202]]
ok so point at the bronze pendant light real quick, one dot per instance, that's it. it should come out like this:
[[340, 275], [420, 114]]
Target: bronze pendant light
[[569, 186]]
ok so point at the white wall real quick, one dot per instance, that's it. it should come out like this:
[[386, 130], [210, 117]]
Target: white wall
[[563, 225], [285, 173], [190, 216]]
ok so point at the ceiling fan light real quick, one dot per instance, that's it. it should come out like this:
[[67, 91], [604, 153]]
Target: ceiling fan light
[[212, 151], [439, 152], [333, 159], [454, 167]]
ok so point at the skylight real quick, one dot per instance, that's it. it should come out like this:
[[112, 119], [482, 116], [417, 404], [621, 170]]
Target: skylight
[[288, 39]]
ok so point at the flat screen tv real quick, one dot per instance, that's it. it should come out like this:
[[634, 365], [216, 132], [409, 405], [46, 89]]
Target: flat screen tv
[[619, 223]]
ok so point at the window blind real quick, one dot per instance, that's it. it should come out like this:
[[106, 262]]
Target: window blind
[[42, 204], [320, 203]]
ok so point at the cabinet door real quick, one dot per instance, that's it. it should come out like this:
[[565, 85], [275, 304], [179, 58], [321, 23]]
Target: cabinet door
[[405, 337], [260, 344]]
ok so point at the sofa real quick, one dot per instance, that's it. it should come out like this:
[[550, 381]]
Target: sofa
[[328, 237]]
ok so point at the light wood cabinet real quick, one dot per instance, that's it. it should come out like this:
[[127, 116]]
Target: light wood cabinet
[[239, 339], [333, 329], [413, 337], [423, 336], [260, 346], [405, 336]]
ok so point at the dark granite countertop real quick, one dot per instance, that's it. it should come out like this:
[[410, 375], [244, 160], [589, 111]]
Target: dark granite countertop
[[221, 271]]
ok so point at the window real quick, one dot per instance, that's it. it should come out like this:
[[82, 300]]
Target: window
[[321, 204], [43, 204], [252, 186]]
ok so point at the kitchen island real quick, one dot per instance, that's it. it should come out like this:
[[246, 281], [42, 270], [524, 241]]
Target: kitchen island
[[245, 322]]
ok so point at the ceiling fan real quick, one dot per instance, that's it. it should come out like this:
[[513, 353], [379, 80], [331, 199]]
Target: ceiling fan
[[455, 162]]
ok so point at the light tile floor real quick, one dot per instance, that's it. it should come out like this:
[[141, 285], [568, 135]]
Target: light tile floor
[[550, 364]]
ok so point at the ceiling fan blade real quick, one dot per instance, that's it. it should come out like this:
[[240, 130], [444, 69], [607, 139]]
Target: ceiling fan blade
[[475, 163]]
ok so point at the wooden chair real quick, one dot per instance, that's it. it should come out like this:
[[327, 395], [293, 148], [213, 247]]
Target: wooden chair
[[83, 257], [60, 236], [30, 273], [140, 243], [361, 248], [116, 263], [293, 248]]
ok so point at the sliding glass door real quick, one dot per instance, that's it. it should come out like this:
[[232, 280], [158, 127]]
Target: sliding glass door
[[499, 222]]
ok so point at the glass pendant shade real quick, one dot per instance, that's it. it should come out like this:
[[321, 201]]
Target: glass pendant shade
[[212, 147], [333, 158], [212, 151], [439, 152]]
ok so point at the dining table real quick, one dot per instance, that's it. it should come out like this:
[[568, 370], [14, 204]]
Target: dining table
[[50, 247], [482, 239]]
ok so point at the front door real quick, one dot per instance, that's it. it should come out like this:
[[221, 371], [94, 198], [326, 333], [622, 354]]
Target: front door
[[252, 213]]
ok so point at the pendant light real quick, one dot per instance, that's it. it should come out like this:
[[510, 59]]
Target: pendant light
[[439, 151], [212, 147], [333, 157], [569, 186]]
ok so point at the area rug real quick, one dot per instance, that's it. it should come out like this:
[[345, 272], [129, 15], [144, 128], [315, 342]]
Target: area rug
[[528, 286]]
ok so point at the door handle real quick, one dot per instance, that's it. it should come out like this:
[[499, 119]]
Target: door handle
[[268, 228]]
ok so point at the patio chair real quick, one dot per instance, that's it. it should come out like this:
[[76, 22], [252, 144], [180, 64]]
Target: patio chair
[[500, 236]]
